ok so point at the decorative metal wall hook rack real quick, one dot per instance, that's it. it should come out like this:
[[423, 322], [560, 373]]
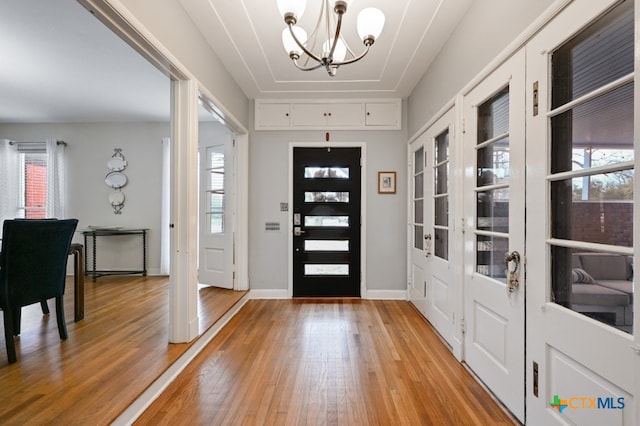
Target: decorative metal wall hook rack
[[116, 180]]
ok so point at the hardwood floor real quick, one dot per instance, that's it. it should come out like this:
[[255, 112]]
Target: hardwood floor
[[334, 362], [109, 358]]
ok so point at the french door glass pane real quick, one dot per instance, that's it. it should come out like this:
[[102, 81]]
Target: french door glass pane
[[595, 209], [490, 252], [493, 210], [597, 132], [418, 164], [493, 163], [216, 189], [442, 147], [418, 239], [418, 211], [493, 116], [442, 243], [600, 54], [418, 185], [442, 178], [441, 216], [216, 223], [596, 284]]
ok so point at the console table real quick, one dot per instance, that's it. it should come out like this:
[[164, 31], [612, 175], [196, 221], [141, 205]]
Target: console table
[[107, 232]]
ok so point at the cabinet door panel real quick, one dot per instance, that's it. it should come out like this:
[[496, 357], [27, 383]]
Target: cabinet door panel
[[345, 114], [309, 114], [383, 114], [273, 115]]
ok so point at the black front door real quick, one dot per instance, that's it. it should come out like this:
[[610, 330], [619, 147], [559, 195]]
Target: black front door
[[326, 222]]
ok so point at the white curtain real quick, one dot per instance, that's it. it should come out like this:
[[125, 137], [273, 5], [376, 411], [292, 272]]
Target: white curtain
[[165, 250], [55, 179], [9, 184]]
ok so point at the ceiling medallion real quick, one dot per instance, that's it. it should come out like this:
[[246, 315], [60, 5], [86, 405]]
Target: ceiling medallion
[[326, 34]]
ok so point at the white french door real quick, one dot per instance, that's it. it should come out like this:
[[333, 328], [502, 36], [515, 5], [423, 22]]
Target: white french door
[[215, 264], [417, 243], [494, 191], [582, 345]]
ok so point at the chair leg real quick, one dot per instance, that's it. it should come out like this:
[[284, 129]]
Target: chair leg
[[17, 318], [62, 325], [45, 307], [8, 336]]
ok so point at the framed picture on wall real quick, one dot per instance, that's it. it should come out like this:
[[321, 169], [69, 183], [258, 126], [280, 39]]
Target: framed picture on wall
[[386, 182]]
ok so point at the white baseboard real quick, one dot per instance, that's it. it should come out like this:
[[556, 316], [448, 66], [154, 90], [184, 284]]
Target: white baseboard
[[370, 294], [386, 295], [269, 294]]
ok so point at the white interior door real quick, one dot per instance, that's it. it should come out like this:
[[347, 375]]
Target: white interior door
[[582, 344], [418, 244], [215, 263], [494, 190]]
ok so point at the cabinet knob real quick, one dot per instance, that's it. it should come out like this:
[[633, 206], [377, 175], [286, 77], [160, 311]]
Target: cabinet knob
[[368, 113], [287, 114]]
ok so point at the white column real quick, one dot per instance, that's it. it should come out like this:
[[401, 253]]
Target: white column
[[183, 284]]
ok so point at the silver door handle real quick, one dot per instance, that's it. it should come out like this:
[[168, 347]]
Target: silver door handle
[[297, 231], [512, 274], [427, 244]]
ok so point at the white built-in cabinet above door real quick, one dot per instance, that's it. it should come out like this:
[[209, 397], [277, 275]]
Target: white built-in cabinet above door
[[325, 115]]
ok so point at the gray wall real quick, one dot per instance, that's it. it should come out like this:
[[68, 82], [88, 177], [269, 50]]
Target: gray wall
[[172, 27], [486, 30], [386, 215], [90, 146]]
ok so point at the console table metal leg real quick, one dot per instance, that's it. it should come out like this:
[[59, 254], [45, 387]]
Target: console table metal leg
[[144, 253], [94, 259]]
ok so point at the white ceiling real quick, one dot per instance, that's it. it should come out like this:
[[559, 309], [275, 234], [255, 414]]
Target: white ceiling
[[60, 64], [246, 35]]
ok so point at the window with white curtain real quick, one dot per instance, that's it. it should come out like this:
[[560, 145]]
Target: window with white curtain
[[32, 179]]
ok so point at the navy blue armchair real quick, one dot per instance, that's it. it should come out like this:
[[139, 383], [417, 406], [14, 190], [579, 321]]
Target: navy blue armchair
[[33, 267]]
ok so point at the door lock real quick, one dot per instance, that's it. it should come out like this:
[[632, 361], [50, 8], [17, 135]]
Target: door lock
[[297, 231]]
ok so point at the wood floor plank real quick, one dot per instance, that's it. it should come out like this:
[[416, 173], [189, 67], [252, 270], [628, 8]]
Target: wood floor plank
[[110, 357], [328, 361]]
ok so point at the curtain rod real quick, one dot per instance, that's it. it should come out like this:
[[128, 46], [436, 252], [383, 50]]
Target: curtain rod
[[43, 142]]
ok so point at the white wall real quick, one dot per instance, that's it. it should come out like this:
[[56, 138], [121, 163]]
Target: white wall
[[89, 147], [386, 215], [488, 28]]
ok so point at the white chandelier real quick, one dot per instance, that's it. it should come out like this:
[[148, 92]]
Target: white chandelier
[[327, 31]]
